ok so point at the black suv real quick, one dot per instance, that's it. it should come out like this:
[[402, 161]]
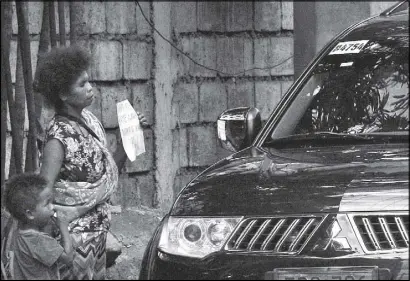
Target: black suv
[[321, 190]]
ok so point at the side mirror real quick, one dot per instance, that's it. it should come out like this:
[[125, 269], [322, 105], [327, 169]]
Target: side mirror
[[238, 127]]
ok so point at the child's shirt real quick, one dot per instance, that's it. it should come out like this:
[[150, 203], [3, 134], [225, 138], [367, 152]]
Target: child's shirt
[[35, 255]]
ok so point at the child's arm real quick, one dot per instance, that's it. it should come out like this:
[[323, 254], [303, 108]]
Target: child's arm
[[68, 255]]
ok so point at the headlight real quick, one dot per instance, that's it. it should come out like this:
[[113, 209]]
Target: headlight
[[195, 237]]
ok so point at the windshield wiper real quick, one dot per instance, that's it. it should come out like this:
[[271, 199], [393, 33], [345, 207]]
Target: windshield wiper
[[324, 135]]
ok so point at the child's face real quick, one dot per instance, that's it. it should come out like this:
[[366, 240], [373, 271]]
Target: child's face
[[44, 210]]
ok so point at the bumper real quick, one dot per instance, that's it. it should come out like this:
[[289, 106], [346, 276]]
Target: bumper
[[238, 266], [249, 267]]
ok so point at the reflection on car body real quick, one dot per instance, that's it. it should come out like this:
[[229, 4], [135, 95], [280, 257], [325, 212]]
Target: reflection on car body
[[319, 192]]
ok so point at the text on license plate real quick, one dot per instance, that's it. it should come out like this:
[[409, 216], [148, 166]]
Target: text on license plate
[[349, 47], [326, 273]]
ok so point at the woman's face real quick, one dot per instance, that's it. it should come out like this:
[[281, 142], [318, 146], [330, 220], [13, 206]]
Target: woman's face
[[81, 92]]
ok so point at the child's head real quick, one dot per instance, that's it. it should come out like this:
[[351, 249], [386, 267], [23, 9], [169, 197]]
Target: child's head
[[28, 199]]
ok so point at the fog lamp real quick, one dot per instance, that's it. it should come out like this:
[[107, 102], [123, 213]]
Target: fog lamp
[[218, 231]]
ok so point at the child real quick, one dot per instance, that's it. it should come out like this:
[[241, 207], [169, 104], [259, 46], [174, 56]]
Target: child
[[36, 254]]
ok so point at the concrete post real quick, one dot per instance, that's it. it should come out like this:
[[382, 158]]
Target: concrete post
[[164, 76], [304, 22]]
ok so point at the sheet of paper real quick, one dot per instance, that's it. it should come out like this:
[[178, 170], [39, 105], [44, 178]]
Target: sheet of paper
[[131, 132]]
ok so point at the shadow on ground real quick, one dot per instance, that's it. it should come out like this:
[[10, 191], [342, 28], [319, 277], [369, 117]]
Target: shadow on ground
[[133, 228]]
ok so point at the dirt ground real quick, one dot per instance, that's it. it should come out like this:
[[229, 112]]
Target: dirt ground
[[133, 228]]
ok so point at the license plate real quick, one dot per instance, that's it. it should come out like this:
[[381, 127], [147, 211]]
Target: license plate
[[324, 273]]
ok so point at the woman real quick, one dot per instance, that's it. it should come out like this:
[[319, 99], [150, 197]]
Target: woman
[[76, 160]]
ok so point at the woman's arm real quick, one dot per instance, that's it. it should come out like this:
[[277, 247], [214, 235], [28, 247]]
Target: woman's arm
[[53, 156], [68, 255]]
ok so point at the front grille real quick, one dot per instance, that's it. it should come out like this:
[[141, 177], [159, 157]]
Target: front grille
[[383, 232], [276, 234]]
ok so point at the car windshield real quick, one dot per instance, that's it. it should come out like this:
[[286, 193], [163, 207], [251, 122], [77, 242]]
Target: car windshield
[[360, 87]]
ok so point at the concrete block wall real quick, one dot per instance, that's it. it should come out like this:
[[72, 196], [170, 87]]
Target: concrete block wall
[[230, 37], [180, 99]]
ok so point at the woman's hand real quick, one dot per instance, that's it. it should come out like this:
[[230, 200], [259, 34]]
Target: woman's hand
[[62, 218], [143, 120], [66, 214]]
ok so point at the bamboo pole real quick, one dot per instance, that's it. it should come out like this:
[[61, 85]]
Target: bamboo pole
[[19, 105], [44, 33], [42, 49], [3, 122], [24, 40], [52, 18], [61, 22], [6, 16], [7, 84]]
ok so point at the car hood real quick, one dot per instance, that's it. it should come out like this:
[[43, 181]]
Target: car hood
[[259, 181]]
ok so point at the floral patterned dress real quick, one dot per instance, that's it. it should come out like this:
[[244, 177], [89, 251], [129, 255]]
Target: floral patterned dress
[[84, 163]]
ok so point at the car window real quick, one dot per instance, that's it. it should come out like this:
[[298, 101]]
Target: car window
[[359, 87]]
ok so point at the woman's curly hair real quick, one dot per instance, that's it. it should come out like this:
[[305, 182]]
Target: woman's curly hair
[[58, 70]]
